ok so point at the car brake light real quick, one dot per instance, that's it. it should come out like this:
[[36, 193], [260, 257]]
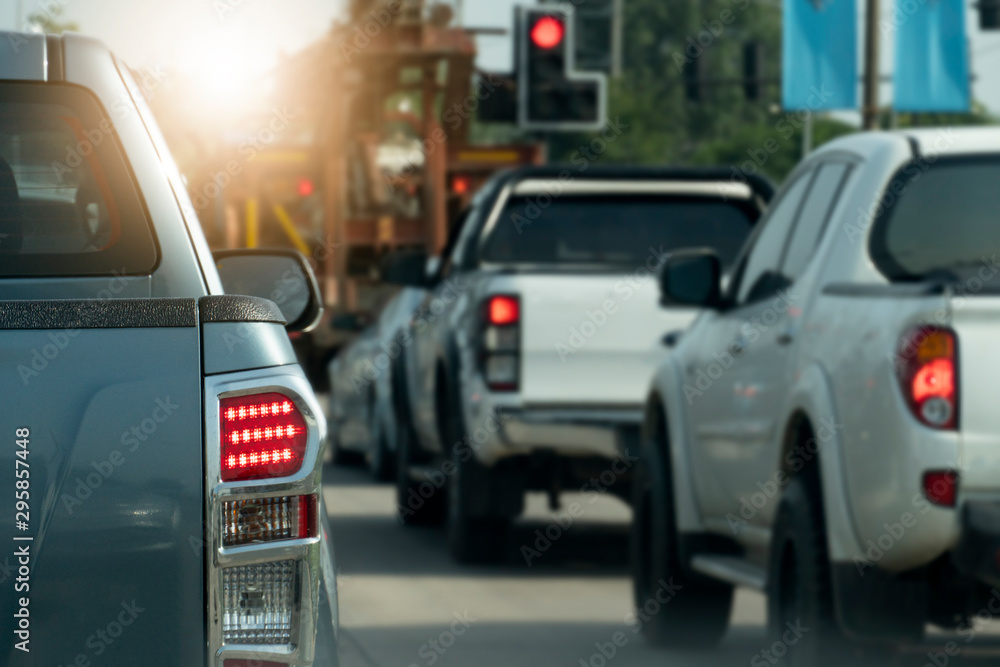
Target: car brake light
[[941, 487], [927, 374], [503, 310], [255, 520], [263, 435], [501, 342]]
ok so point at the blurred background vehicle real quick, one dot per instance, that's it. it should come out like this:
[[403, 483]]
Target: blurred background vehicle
[[363, 382], [841, 454], [547, 284]]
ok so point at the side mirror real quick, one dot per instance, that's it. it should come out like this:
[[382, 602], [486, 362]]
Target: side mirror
[[352, 322], [691, 278], [281, 275], [408, 268]]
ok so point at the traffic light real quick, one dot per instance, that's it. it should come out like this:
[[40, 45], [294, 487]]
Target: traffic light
[[753, 69], [694, 82], [989, 14], [552, 95]]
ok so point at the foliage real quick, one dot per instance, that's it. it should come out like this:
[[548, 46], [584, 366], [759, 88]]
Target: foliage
[[51, 23]]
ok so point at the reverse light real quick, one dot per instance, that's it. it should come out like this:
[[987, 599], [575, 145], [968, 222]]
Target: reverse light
[[501, 342], [263, 435], [941, 487], [927, 371], [256, 520], [259, 603]]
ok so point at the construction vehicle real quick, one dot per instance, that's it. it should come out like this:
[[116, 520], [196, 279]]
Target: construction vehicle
[[365, 151]]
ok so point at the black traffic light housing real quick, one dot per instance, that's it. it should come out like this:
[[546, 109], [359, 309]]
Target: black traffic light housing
[[552, 95]]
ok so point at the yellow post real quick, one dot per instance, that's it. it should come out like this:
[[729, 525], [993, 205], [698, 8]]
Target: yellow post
[[252, 222], [293, 234]]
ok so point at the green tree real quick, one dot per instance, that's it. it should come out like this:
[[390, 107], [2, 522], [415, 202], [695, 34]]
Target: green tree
[[51, 22]]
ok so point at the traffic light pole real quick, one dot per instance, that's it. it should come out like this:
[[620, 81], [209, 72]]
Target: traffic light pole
[[869, 112]]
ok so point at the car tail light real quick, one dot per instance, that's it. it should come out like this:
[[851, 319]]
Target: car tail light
[[259, 603], [501, 342], [941, 487], [254, 520], [928, 375], [263, 435]]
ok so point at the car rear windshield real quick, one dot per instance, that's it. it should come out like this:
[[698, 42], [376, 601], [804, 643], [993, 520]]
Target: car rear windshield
[[939, 220], [68, 204], [615, 230]]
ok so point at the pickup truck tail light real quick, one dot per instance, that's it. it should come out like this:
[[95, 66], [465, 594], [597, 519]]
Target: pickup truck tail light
[[926, 366], [254, 520], [259, 603], [501, 342], [263, 435]]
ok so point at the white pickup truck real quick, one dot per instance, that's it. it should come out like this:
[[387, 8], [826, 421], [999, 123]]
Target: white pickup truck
[[535, 343], [827, 431]]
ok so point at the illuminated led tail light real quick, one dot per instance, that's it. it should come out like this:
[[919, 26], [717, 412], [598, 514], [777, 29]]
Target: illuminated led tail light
[[256, 520], [259, 603], [263, 435], [928, 375], [500, 346]]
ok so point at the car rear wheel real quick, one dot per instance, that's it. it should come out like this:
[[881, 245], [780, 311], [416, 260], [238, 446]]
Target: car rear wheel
[[419, 502], [674, 608], [801, 620]]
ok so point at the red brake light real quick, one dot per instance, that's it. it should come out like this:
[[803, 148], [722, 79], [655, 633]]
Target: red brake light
[[263, 435], [503, 310], [306, 187], [460, 185], [548, 32], [926, 366], [941, 487]]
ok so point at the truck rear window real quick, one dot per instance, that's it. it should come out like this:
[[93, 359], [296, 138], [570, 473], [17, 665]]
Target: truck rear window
[[68, 204], [941, 219], [615, 230]]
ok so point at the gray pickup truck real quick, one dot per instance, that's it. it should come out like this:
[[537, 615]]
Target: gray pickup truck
[[160, 447]]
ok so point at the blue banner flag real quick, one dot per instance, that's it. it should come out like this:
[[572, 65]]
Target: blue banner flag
[[819, 55], [932, 57]]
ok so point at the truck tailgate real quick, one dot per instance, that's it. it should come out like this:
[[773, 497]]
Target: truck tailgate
[[102, 406], [593, 339]]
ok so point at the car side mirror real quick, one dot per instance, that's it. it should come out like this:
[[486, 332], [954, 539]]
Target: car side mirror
[[408, 268], [691, 278], [281, 275]]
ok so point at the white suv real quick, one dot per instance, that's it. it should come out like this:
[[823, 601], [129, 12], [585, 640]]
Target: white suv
[[827, 431]]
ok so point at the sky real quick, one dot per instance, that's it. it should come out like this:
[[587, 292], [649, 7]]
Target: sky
[[249, 35]]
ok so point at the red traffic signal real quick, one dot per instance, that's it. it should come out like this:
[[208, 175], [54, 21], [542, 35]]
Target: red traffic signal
[[548, 32]]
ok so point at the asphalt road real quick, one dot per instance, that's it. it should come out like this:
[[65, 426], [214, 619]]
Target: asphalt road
[[404, 602]]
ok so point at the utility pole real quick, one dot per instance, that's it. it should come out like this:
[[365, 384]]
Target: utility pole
[[869, 112]]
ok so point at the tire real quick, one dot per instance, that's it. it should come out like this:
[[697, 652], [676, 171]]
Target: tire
[[799, 588], [472, 539], [414, 508], [380, 460], [697, 616]]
